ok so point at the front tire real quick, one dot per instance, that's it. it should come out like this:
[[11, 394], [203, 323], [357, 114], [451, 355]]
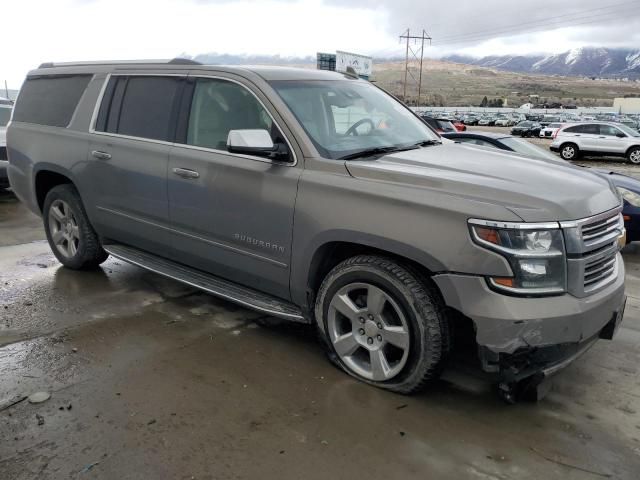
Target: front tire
[[569, 151], [633, 155], [381, 324], [69, 232]]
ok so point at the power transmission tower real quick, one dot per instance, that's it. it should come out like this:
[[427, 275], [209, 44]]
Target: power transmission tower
[[414, 53]]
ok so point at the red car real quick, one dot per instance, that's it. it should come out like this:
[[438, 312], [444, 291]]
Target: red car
[[461, 127]]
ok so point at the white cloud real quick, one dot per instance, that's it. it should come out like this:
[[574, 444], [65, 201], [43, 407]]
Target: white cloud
[[67, 30]]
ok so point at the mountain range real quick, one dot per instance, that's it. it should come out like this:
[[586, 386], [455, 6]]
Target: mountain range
[[583, 62], [580, 62]]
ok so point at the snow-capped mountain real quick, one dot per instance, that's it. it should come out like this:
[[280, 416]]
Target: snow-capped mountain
[[586, 61]]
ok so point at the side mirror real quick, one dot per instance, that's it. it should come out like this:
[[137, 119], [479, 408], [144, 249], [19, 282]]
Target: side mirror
[[621, 135], [256, 142]]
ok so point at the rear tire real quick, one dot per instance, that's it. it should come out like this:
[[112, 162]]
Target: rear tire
[[633, 155], [69, 232], [381, 324], [569, 151]]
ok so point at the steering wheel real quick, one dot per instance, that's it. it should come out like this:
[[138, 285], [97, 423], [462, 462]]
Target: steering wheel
[[362, 121]]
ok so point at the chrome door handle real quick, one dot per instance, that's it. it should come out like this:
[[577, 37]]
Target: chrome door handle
[[101, 155], [186, 173]]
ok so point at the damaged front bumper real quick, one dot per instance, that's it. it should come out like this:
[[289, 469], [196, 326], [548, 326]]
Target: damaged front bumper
[[521, 337]]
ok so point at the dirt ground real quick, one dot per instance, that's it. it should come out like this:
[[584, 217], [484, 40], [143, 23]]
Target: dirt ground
[[150, 379]]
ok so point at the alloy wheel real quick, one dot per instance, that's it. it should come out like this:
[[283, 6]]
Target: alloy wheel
[[368, 331], [64, 229], [634, 156], [568, 152]]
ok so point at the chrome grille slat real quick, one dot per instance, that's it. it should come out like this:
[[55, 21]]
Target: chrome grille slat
[[600, 224], [601, 271], [600, 232], [592, 245], [604, 276], [589, 271]]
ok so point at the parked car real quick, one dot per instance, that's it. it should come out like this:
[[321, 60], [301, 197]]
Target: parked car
[[504, 122], [486, 122], [550, 130], [461, 127], [628, 187], [317, 197], [438, 124], [5, 116], [470, 120], [527, 129], [597, 139], [548, 120]]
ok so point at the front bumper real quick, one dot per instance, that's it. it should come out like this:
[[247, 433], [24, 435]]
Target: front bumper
[[531, 331], [554, 148]]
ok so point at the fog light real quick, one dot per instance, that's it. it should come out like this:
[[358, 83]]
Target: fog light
[[533, 267]]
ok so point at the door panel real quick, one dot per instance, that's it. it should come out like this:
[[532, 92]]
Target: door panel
[[608, 141], [588, 138], [232, 215], [128, 157], [236, 219], [129, 191]]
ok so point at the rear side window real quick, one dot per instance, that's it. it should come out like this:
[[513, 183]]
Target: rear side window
[[140, 106], [50, 100]]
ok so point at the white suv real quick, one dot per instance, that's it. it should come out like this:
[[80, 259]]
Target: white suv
[[597, 138]]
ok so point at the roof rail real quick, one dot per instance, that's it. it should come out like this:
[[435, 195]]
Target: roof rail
[[183, 61], [173, 61]]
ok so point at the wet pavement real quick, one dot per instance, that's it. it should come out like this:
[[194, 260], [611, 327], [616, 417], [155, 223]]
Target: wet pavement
[[150, 380]]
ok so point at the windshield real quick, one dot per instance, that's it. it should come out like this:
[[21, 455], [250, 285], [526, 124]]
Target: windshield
[[523, 147], [343, 117], [5, 115], [629, 131]]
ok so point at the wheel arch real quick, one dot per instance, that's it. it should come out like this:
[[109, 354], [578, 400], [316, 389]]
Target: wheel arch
[[632, 147], [46, 176], [329, 252]]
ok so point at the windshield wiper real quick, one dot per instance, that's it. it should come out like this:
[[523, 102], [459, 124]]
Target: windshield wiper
[[426, 143], [376, 151]]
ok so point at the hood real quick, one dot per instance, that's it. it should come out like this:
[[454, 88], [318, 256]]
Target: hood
[[535, 190]]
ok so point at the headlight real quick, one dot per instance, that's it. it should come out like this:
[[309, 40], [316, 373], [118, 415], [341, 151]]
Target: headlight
[[631, 197], [535, 253]]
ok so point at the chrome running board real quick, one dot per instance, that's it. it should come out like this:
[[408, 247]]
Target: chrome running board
[[219, 287]]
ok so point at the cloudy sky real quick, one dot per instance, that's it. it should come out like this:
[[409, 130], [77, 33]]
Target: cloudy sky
[[63, 30]]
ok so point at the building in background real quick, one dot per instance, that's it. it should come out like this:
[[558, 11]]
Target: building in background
[[342, 61], [626, 105]]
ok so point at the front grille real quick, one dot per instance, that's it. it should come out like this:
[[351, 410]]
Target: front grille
[[602, 232], [592, 252], [3, 153], [599, 272]]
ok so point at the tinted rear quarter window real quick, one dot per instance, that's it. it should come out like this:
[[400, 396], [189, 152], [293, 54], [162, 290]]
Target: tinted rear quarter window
[[50, 100]]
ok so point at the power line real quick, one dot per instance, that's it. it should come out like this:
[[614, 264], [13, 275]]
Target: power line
[[554, 18], [543, 24], [408, 37]]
